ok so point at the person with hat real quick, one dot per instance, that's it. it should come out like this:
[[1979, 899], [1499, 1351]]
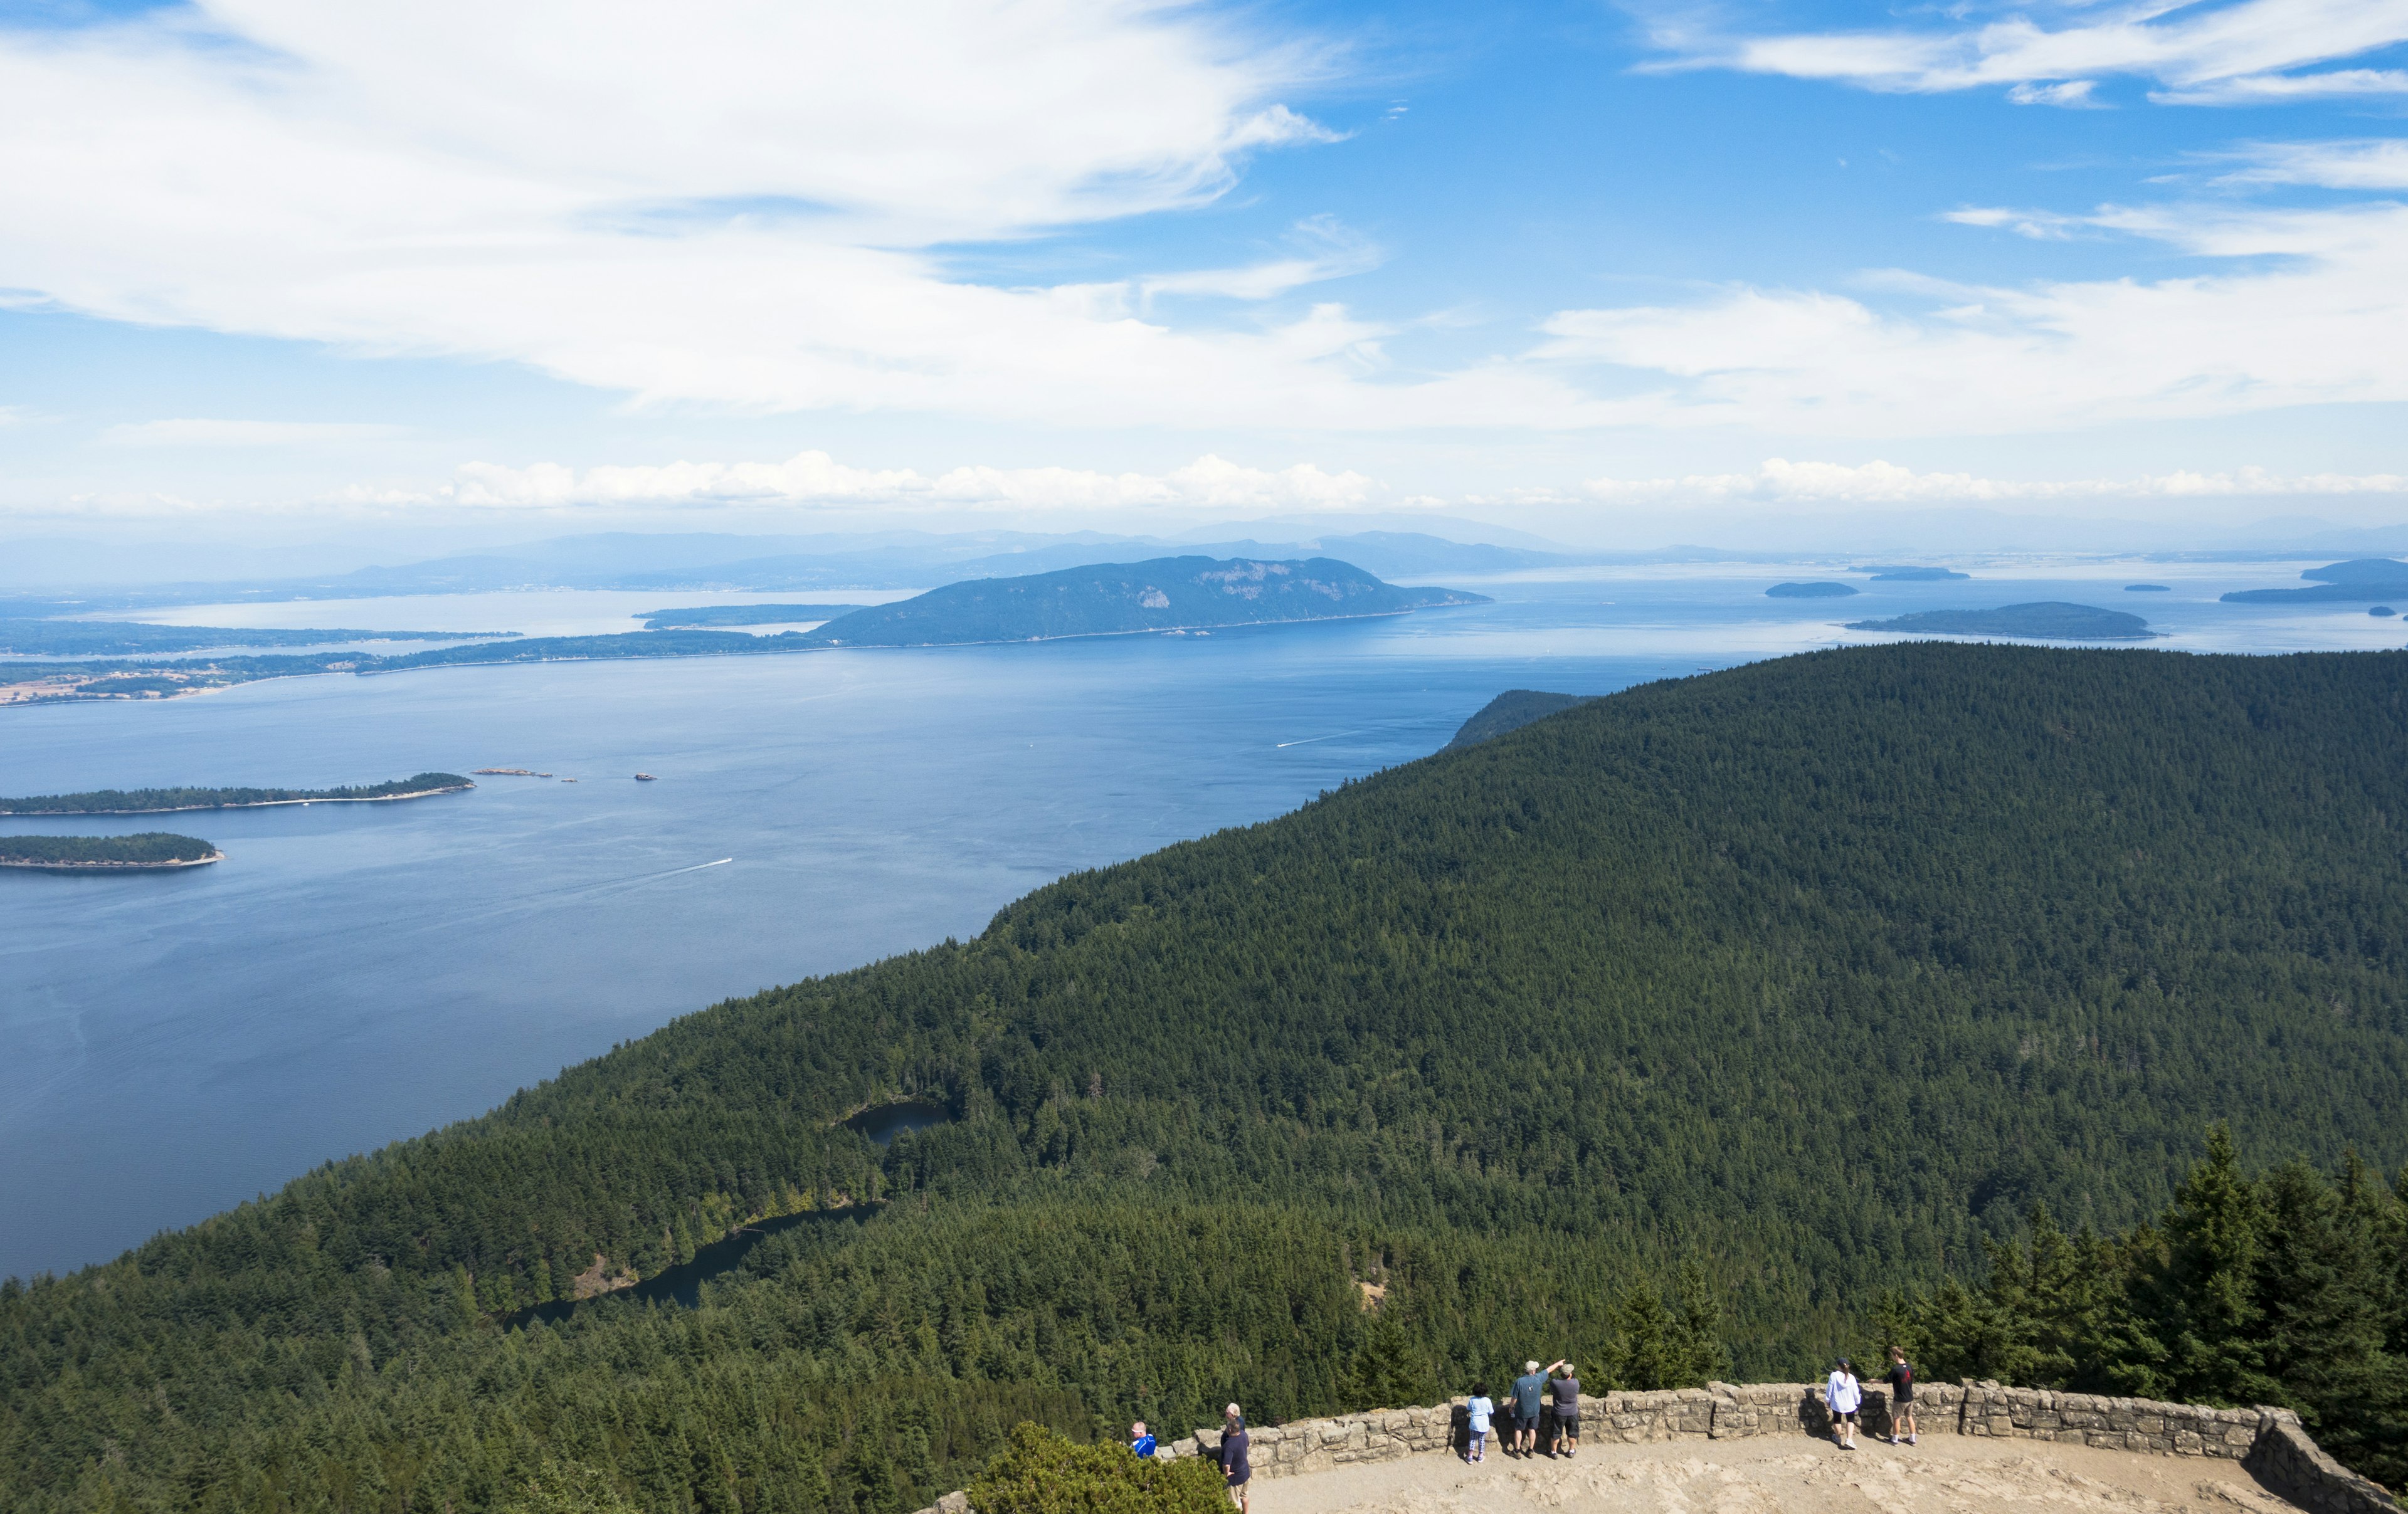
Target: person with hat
[[1844, 1396], [1530, 1391]]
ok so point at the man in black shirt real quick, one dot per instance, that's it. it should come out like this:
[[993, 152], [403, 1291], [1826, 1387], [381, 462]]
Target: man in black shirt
[[1900, 1378]]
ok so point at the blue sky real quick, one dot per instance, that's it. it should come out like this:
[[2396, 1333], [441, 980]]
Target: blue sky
[[1611, 272]]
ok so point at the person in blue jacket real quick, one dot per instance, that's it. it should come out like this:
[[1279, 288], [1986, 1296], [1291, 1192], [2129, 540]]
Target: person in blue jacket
[[1139, 1441]]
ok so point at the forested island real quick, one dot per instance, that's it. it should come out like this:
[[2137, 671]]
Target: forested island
[[149, 850], [2041, 620], [711, 617], [1699, 1030], [2360, 581], [167, 801], [1819, 589], [1170, 594]]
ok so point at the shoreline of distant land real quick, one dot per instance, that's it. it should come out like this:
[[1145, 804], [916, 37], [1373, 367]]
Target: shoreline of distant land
[[249, 804], [101, 866], [178, 801]]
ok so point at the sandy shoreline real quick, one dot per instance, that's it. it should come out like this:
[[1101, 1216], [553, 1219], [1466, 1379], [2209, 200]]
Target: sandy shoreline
[[113, 866], [247, 804]]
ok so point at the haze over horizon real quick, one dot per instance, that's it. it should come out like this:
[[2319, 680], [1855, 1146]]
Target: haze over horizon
[[363, 284]]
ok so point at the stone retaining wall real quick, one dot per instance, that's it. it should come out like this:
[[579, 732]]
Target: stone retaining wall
[[2269, 1442]]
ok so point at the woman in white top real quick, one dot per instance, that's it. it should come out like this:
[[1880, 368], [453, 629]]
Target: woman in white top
[[1844, 1396], [1476, 1417]]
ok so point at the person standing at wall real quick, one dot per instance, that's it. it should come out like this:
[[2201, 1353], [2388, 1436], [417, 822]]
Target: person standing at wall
[[1530, 1391], [1476, 1415], [1843, 1395], [1140, 1441], [1567, 1411], [1234, 1445], [1900, 1378]]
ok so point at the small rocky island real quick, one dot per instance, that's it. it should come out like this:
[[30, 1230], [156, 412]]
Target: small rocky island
[[149, 852], [170, 801], [1819, 589], [2048, 620]]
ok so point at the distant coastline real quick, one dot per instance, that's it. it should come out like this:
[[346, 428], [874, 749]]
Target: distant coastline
[[179, 801], [102, 865]]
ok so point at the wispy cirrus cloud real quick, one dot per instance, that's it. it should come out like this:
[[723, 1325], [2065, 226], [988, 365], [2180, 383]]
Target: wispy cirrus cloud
[[203, 432], [1877, 482], [816, 478], [2246, 51]]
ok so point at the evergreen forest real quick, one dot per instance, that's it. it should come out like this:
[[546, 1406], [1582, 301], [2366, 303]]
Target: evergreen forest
[[1703, 1030]]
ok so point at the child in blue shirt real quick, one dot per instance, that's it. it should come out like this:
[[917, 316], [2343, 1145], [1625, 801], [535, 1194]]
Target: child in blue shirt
[[1480, 1411]]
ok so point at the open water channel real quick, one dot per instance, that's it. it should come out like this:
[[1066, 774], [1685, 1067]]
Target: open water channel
[[354, 974]]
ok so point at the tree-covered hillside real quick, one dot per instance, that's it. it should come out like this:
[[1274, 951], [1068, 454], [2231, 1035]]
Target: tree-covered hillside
[[1810, 975]]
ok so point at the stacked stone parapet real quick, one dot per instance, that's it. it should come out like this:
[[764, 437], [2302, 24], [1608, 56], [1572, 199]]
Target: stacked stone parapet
[[2269, 1442]]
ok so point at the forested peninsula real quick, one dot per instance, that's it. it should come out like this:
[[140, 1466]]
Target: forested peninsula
[[1708, 1027], [168, 801], [149, 850]]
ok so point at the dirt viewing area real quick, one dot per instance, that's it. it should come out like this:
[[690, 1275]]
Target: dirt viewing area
[[1945, 1474]]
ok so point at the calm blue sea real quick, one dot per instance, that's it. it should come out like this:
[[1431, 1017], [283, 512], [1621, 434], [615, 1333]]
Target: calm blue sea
[[170, 1045]]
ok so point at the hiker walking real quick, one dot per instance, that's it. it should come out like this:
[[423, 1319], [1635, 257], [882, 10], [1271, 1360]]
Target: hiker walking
[[1530, 1391], [1476, 1415], [1567, 1411], [1844, 1395], [1234, 1445], [1900, 1378]]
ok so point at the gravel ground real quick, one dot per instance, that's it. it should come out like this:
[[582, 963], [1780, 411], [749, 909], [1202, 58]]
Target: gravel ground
[[1783, 1475]]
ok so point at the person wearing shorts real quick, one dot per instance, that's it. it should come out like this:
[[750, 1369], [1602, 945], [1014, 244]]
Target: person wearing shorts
[[1845, 1396], [1530, 1391], [1234, 1445], [1900, 1378], [1476, 1415], [1567, 1411]]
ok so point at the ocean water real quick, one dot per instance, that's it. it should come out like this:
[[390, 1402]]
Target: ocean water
[[354, 974]]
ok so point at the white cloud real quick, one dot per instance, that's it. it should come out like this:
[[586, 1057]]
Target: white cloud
[[2280, 89], [1780, 480], [2074, 94], [2314, 311], [814, 478], [742, 204], [2232, 53], [195, 432], [2380, 163]]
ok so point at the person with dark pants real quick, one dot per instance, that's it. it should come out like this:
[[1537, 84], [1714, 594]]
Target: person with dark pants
[[1234, 1445], [1900, 1378], [1567, 1411], [1530, 1391]]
